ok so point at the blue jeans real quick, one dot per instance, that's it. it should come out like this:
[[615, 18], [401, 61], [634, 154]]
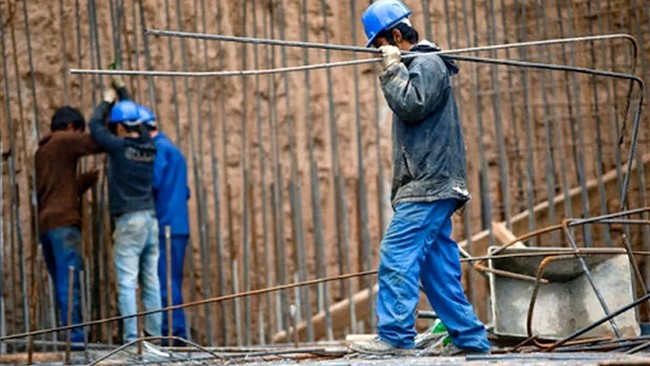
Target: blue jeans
[[417, 245], [178, 245], [61, 250], [135, 253]]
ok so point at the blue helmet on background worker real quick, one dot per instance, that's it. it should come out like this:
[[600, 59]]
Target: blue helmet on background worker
[[383, 15], [146, 116], [125, 112]]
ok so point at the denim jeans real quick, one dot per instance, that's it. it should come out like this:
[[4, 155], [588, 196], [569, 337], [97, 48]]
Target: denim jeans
[[61, 250], [178, 246], [418, 246], [135, 253]]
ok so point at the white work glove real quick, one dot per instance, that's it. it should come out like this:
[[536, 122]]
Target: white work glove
[[110, 95], [117, 81], [390, 56]]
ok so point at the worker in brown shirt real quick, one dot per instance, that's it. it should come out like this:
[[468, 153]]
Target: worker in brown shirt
[[59, 190]]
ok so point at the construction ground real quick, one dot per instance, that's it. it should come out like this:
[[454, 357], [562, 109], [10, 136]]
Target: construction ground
[[290, 173]]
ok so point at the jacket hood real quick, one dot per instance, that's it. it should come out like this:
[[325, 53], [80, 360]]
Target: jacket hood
[[426, 46]]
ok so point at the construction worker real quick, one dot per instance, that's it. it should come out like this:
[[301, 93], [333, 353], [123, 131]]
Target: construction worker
[[171, 194], [58, 189], [429, 185], [131, 155]]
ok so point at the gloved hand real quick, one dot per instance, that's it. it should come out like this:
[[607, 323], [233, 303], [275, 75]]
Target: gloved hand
[[110, 95], [117, 81], [390, 55]]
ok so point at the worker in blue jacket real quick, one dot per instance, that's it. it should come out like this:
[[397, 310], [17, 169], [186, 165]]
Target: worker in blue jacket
[[170, 194], [429, 185]]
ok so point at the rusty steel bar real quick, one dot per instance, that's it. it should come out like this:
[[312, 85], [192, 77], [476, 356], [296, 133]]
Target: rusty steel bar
[[3, 324], [150, 338], [340, 203], [220, 252], [590, 278], [530, 172], [246, 225], [323, 300], [533, 297], [334, 47], [15, 220], [213, 300], [68, 333], [362, 197], [264, 189], [550, 120], [295, 191], [278, 191], [148, 64]]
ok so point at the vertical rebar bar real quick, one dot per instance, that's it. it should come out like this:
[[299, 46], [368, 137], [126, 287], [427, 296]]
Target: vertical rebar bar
[[32, 76], [68, 333], [235, 289], [515, 120], [576, 127], [244, 167], [640, 166], [147, 61], [278, 186], [486, 201], [530, 171], [15, 205], [262, 171], [599, 139], [362, 199], [3, 324], [21, 253], [64, 52], [550, 119], [426, 16], [168, 282], [221, 276], [170, 47], [295, 190], [342, 227], [466, 213], [316, 209], [490, 13], [84, 308], [197, 182]]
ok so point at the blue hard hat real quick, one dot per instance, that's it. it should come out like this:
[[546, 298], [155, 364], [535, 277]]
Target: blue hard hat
[[146, 116], [125, 112], [382, 15]]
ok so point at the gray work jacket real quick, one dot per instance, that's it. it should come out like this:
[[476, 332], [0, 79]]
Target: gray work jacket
[[428, 148]]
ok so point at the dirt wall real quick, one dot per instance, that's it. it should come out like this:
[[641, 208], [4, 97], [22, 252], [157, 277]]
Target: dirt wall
[[253, 134]]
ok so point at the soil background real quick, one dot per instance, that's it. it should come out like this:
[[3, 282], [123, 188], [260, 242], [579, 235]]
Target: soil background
[[247, 139]]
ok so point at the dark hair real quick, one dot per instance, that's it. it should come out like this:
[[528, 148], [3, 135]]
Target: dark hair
[[66, 115], [129, 129], [409, 34]]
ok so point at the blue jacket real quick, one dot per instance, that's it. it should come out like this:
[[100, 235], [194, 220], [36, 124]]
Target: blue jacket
[[130, 169], [170, 187], [428, 146]]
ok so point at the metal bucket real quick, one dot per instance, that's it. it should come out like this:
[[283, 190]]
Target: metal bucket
[[568, 302]]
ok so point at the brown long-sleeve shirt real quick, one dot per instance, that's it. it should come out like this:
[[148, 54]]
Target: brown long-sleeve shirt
[[58, 186]]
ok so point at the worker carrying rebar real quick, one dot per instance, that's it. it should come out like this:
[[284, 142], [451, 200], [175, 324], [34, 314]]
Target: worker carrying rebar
[[131, 154], [429, 185], [59, 189], [170, 194]]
